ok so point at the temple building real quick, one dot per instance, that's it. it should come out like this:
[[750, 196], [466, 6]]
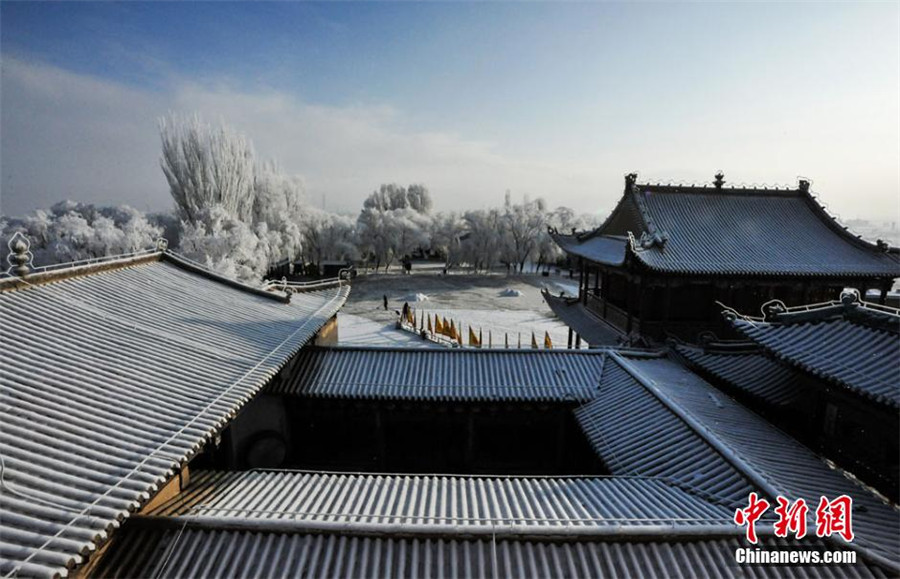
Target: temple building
[[667, 254], [159, 420], [827, 373]]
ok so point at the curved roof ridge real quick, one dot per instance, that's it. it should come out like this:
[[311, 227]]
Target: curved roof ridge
[[628, 196], [746, 459], [691, 188], [850, 307], [158, 252], [842, 230], [195, 267]]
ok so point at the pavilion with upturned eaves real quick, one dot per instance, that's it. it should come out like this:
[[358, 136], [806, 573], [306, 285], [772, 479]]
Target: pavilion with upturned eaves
[[667, 253]]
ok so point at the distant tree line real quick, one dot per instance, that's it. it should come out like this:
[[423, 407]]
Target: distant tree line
[[239, 215]]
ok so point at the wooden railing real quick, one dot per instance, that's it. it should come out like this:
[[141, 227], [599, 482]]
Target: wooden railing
[[609, 312]]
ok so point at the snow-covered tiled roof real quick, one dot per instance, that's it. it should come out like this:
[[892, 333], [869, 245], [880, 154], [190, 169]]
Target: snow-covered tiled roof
[[698, 230], [290, 523], [444, 374], [444, 503], [670, 423], [113, 376], [851, 344]]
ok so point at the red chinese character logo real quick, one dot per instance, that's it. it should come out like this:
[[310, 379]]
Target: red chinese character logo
[[835, 517], [755, 509], [791, 518]]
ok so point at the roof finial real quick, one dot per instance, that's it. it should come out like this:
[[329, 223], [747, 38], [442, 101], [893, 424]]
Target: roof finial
[[720, 179], [803, 185], [630, 179], [20, 256], [850, 297]]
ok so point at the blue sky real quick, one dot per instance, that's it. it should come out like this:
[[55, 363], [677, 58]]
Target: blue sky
[[551, 99]]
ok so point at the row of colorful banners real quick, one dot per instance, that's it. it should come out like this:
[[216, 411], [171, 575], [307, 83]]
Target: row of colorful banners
[[435, 327]]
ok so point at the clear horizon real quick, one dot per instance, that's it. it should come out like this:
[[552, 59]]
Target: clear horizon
[[557, 100]]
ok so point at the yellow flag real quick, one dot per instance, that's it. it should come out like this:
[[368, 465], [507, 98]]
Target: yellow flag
[[473, 339], [547, 343], [453, 333], [438, 326], [533, 341], [430, 329]]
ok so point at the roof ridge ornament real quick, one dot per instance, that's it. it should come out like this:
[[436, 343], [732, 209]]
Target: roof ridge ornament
[[719, 179], [648, 240], [162, 244], [20, 258], [772, 309], [850, 297]]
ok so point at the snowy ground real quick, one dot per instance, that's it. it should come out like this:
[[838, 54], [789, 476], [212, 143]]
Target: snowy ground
[[474, 300], [359, 331]]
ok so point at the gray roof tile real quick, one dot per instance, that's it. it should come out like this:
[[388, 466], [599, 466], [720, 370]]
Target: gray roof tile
[[444, 374], [111, 381]]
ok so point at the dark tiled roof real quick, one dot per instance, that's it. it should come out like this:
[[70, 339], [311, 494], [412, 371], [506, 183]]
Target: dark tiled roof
[[599, 248], [114, 379], [444, 374], [635, 435], [593, 330], [444, 503], [749, 370], [851, 345], [775, 463], [704, 230], [167, 551]]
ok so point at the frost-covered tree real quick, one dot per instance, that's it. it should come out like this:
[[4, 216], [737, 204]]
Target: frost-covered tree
[[280, 202], [523, 223], [481, 245], [408, 230], [207, 165], [419, 198], [226, 244], [71, 231], [394, 221], [389, 197], [447, 230], [327, 236], [372, 234], [216, 181]]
